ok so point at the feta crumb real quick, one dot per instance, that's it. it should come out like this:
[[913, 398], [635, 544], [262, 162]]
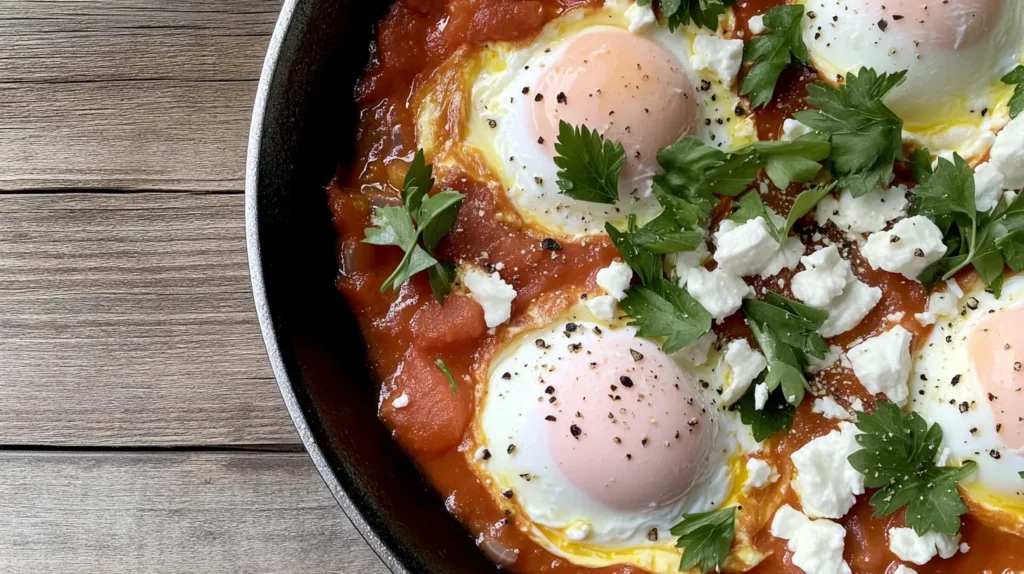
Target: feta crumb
[[882, 364], [847, 310], [817, 545], [602, 307], [680, 263], [792, 129], [939, 305], [759, 474], [858, 405], [865, 214], [756, 25], [401, 401], [787, 257], [760, 396], [908, 248], [696, 353], [718, 291], [964, 547], [640, 17], [825, 480], [745, 249], [825, 276], [895, 317], [615, 279], [493, 294], [745, 364], [901, 569], [577, 530], [908, 546], [988, 186], [953, 287], [834, 355], [1007, 153], [718, 55], [830, 408]]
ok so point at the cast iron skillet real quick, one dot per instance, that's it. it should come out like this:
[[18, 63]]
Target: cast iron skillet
[[302, 129]]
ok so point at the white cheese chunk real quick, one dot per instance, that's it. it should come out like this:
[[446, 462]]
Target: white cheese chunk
[[615, 279], [786, 257], [696, 353], [865, 214], [882, 364], [640, 17], [717, 55], [759, 474], [602, 307], [1007, 154], [401, 401], [760, 396], [939, 305], [908, 248], [828, 407], [817, 545], [824, 277], [493, 294], [834, 355], [745, 249], [718, 291], [680, 263], [745, 364], [756, 25], [908, 546], [901, 569], [847, 310], [792, 129], [826, 482], [988, 186]]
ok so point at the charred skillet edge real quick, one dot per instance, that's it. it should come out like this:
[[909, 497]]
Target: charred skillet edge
[[252, 231]]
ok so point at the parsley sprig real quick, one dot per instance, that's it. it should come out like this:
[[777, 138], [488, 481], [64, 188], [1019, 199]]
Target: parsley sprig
[[704, 13], [750, 207], [417, 227], [898, 458], [866, 136], [1016, 79], [986, 241], [773, 52], [705, 538], [588, 165]]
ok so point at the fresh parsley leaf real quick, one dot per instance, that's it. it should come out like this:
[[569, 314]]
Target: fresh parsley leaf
[[588, 165], [1016, 79], [787, 161], [866, 136], [776, 416], [705, 538], [421, 217], [679, 12], [663, 309], [751, 207], [804, 203], [694, 169], [920, 164], [898, 458], [787, 333], [646, 263], [664, 234], [448, 375], [773, 52]]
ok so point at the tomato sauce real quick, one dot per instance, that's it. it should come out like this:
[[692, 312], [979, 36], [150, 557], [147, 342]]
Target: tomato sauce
[[407, 331]]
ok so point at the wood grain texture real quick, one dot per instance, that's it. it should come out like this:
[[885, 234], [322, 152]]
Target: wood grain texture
[[127, 319], [146, 94], [173, 512]]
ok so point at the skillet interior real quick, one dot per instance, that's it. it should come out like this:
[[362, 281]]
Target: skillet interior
[[302, 129]]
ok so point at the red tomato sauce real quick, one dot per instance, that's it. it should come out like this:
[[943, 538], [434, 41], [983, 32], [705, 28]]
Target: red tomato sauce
[[407, 330]]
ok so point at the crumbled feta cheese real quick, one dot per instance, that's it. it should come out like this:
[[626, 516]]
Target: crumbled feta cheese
[[895, 317], [1009, 196], [817, 545], [577, 530], [756, 25], [910, 246], [882, 364], [493, 294], [696, 353], [602, 307], [615, 279], [824, 277], [901, 569], [964, 547], [745, 364], [745, 249], [826, 482], [760, 396], [865, 214], [640, 17], [680, 263], [718, 55], [719, 292], [830, 408], [759, 474], [792, 129], [858, 405], [988, 186], [834, 355], [939, 305], [953, 287], [787, 257], [725, 226], [908, 546], [1007, 154], [401, 401], [847, 310]]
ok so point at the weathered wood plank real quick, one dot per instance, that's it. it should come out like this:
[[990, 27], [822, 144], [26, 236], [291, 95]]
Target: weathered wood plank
[[172, 512], [148, 94], [127, 319]]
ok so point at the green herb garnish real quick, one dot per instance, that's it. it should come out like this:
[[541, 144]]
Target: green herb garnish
[[705, 538], [704, 13], [663, 309], [1016, 79], [588, 165], [773, 52], [448, 375]]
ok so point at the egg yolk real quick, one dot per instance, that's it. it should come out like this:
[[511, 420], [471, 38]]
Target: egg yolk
[[626, 87], [951, 25], [639, 435], [996, 348]]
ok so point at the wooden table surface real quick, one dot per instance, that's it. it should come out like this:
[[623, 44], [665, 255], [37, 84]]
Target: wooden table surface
[[141, 429]]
